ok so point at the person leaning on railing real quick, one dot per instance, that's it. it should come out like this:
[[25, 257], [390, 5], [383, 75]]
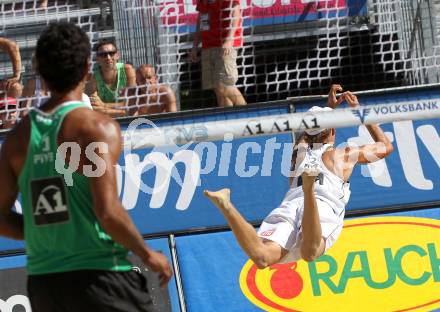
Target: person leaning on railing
[[109, 80], [153, 97]]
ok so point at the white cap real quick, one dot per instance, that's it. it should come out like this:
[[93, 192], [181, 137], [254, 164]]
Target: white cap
[[317, 109]]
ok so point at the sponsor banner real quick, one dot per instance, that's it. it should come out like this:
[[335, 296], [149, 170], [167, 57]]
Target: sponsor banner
[[264, 12], [237, 128], [13, 293], [387, 263], [163, 188], [257, 170]]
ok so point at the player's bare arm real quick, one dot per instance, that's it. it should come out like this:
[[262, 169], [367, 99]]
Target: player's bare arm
[[13, 51], [11, 223], [367, 153], [109, 211]]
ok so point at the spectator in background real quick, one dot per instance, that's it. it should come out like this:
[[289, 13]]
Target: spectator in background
[[11, 87], [153, 97], [109, 81], [219, 29], [37, 92]]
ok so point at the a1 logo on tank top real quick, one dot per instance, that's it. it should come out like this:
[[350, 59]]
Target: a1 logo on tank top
[[49, 201]]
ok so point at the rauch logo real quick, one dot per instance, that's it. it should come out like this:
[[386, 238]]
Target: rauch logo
[[378, 264]]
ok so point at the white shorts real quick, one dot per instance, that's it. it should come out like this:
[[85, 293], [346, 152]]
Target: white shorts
[[283, 226]]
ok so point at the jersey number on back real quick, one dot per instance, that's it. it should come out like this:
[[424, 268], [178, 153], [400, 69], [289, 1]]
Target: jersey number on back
[[319, 177]]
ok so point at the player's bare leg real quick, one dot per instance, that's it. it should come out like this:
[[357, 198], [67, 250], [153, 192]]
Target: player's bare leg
[[313, 244], [262, 253]]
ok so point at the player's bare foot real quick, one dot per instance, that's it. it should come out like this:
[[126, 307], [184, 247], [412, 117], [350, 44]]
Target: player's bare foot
[[220, 198]]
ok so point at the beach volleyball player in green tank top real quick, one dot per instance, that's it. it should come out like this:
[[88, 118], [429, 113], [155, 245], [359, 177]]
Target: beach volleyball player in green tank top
[[76, 230]]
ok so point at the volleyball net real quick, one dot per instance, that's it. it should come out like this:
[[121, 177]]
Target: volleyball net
[[152, 136]]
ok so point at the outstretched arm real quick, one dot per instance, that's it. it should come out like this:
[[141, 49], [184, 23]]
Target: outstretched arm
[[369, 153]]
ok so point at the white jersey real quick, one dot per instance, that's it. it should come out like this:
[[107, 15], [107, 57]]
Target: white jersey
[[328, 186], [284, 224]]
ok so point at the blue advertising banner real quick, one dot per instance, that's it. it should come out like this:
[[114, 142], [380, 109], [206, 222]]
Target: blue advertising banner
[[355, 275], [165, 193]]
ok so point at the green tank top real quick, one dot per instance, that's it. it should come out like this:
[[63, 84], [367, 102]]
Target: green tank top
[[106, 94], [60, 227]]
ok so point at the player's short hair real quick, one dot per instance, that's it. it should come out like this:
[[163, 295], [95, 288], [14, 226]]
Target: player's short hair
[[104, 42], [62, 54]]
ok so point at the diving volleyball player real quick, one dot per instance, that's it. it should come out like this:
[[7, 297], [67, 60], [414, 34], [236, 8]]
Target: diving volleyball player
[[76, 230], [310, 217]]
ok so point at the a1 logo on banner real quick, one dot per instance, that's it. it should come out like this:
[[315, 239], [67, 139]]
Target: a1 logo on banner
[[378, 264], [49, 201]]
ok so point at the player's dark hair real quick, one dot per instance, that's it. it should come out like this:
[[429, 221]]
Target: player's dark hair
[[63, 52], [104, 42]]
